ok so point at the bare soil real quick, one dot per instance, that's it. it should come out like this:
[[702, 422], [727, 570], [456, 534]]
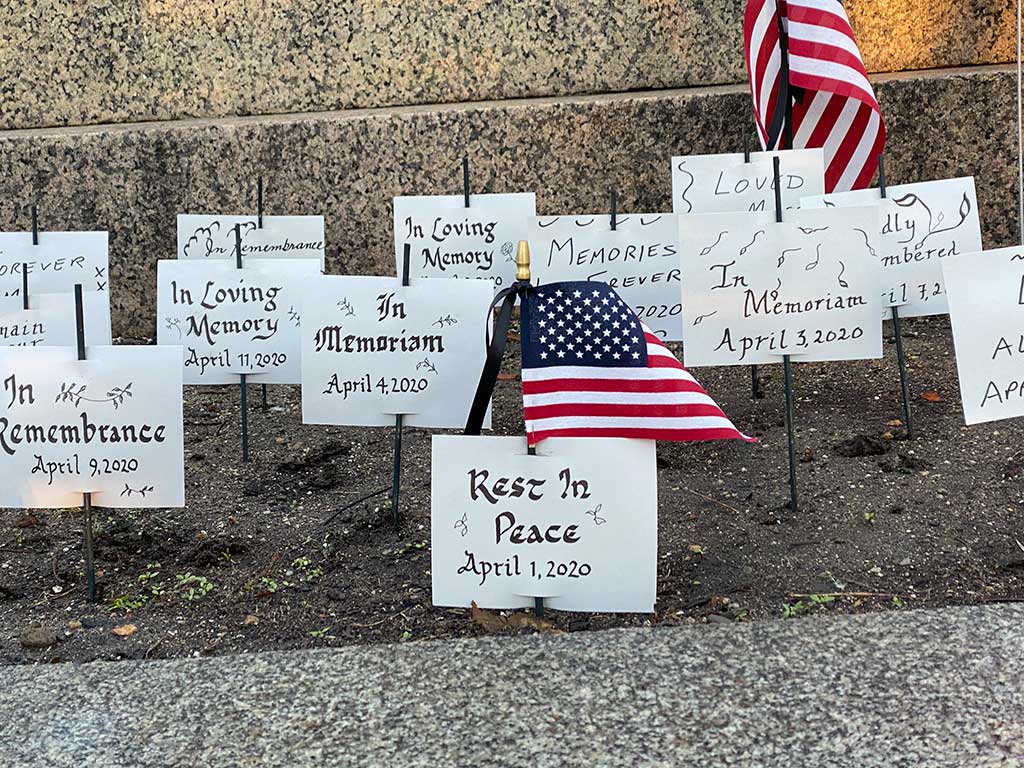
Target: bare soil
[[277, 554]]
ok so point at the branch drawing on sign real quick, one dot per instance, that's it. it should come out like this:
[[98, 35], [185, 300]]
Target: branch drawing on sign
[[584, 224], [545, 225], [75, 393], [812, 230], [750, 245], [508, 250], [347, 307], [817, 259], [425, 363], [174, 324], [462, 524], [867, 241], [646, 223], [294, 317], [710, 248], [777, 289], [935, 220], [842, 269], [447, 320], [129, 491], [689, 186], [204, 234], [701, 318], [598, 520], [782, 256]]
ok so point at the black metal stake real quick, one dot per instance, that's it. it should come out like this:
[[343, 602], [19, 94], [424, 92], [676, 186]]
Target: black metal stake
[[396, 475], [90, 561], [259, 224], [615, 203], [755, 380], [24, 286], [465, 179], [35, 226], [244, 400], [787, 372]]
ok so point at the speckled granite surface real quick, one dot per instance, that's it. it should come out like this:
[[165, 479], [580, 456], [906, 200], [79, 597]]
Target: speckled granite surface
[[942, 689], [132, 180], [75, 62]]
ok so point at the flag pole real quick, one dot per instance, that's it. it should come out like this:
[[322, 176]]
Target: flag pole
[[787, 372], [755, 379], [787, 124]]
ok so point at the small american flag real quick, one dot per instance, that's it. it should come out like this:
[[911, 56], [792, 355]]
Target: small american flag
[[592, 369], [821, 79]]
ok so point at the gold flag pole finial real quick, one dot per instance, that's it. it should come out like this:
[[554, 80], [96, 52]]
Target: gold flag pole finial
[[523, 261]]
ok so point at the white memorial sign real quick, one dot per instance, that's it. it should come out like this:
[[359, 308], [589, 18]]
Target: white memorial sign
[[372, 349], [576, 524], [50, 320], [110, 425], [986, 310], [209, 236], [61, 260], [726, 183], [448, 239], [639, 258], [230, 321], [755, 290], [920, 225]]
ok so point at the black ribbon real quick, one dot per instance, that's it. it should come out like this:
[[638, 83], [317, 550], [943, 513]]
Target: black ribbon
[[495, 352]]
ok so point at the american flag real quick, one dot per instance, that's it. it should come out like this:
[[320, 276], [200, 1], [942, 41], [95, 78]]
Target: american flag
[[833, 104], [592, 369]]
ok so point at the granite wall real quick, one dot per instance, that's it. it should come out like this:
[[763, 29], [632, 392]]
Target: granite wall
[[133, 179], [80, 62]]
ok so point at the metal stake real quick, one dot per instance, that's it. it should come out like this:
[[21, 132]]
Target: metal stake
[[243, 399], [538, 607], [259, 224], [755, 380], [788, 386], [396, 476], [24, 286], [35, 226], [90, 562], [465, 179], [615, 201]]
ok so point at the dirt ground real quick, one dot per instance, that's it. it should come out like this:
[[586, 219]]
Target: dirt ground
[[267, 557]]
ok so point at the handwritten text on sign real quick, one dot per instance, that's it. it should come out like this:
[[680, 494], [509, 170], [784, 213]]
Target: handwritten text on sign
[[920, 225], [986, 310], [448, 239], [232, 321], [576, 524], [755, 290], [372, 349], [110, 425], [725, 183], [203, 236], [61, 260], [50, 320], [639, 258]]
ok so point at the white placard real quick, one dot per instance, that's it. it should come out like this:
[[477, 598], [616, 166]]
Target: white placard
[[577, 524], [755, 290], [110, 425], [50, 320], [230, 321], [209, 236], [920, 225], [61, 260], [639, 259], [448, 239], [986, 310], [372, 349], [726, 183]]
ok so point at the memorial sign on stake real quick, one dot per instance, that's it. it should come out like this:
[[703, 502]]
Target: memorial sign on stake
[[231, 322], [726, 183], [279, 237], [755, 290], [986, 311], [59, 262], [373, 349], [50, 320], [639, 258], [109, 426], [920, 224], [449, 239], [575, 524]]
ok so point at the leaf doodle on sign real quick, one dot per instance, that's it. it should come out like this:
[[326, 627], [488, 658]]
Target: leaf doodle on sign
[[842, 269], [935, 220], [447, 320], [817, 259], [462, 524], [750, 245], [508, 250], [811, 230], [643, 223], [777, 289], [584, 224], [712, 247], [129, 491], [782, 256], [173, 324], [74, 393], [294, 317], [701, 318], [546, 224], [867, 241], [598, 520], [425, 363], [346, 306], [687, 188]]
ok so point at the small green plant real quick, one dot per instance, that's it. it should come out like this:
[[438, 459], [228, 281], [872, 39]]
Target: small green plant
[[897, 603], [406, 635], [129, 603], [192, 587], [792, 610], [869, 517], [820, 600], [320, 632], [269, 584]]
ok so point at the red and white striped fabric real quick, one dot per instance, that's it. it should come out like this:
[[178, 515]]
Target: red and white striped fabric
[[592, 369], [834, 105]]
